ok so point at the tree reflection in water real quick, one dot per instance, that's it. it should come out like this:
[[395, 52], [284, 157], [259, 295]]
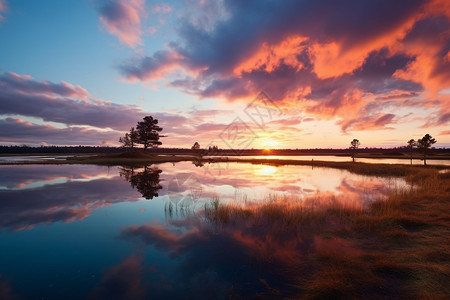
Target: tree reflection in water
[[146, 181]]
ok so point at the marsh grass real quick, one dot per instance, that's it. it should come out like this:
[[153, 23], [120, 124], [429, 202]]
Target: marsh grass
[[397, 247]]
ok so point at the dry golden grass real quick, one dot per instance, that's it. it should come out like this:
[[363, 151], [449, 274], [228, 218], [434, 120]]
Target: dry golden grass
[[396, 248]]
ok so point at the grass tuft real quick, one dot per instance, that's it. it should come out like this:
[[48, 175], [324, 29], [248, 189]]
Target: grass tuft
[[396, 247]]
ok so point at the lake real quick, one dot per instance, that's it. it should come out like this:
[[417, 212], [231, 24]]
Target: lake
[[380, 160], [80, 231]]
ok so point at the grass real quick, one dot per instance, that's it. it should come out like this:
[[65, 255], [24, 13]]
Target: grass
[[395, 248], [141, 157], [132, 158]]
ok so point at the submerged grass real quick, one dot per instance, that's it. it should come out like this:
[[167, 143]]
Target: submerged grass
[[395, 248]]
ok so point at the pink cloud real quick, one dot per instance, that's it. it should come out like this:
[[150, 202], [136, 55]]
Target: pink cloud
[[152, 68], [62, 103], [123, 19], [27, 85], [379, 121], [336, 63], [88, 120], [18, 131]]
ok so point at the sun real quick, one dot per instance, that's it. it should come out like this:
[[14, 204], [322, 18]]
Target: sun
[[269, 144]]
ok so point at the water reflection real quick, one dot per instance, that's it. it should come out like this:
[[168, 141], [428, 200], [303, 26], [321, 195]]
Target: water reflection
[[122, 281], [57, 193], [201, 250], [378, 160], [222, 255], [145, 181], [32, 176], [46, 194]]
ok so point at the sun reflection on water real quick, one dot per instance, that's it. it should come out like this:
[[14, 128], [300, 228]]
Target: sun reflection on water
[[264, 170]]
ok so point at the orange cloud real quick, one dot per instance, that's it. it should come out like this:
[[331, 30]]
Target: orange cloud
[[269, 57]]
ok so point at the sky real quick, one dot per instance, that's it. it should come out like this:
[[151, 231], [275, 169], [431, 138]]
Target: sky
[[231, 73]]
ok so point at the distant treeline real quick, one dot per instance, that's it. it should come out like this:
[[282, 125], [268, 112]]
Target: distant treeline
[[211, 152]]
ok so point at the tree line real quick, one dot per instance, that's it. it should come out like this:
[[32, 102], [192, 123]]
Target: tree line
[[424, 145]]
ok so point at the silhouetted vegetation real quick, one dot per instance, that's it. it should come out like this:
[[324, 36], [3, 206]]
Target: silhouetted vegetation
[[424, 144], [440, 153], [130, 139], [146, 133], [354, 144], [411, 145], [196, 146]]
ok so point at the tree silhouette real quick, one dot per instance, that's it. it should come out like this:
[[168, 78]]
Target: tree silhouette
[[196, 146], [424, 144], [146, 182], [148, 132], [130, 139], [354, 145], [411, 145]]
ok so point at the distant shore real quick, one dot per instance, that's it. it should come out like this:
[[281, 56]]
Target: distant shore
[[140, 158]]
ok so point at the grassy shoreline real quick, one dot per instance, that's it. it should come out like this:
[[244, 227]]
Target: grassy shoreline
[[395, 248], [140, 158], [380, 156]]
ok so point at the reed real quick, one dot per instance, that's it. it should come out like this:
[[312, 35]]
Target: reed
[[397, 247]]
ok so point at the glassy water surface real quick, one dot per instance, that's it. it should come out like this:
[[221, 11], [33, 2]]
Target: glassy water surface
[[379, 160], [80, 231]]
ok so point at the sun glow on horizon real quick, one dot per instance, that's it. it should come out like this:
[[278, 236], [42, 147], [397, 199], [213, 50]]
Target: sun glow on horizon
[[268, 145]]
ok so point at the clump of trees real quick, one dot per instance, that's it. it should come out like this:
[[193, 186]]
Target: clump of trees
[[147, 133], [130, 139], [424, 145], [354, 146]]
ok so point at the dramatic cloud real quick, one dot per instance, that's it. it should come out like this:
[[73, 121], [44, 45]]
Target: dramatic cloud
[[154, 67], [89, 120], [62, 103], [18, 131], [334, 60], [123, 19], [371, 122]]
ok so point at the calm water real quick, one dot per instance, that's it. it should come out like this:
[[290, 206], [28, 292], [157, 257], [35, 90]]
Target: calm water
[[80, 231], [380, 160]]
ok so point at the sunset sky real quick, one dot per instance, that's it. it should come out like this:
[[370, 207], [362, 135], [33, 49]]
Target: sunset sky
[[232, 73]]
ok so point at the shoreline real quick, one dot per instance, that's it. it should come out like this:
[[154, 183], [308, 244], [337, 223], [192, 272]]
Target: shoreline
[[375, 169]]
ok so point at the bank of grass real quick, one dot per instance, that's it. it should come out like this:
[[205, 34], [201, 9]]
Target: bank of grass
[[378, 169], [128, 158], [398, 247]]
